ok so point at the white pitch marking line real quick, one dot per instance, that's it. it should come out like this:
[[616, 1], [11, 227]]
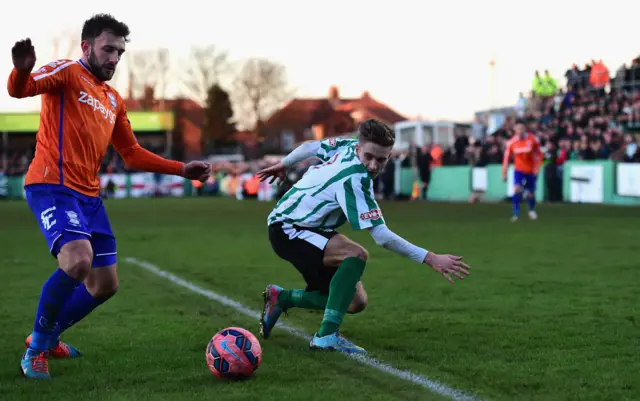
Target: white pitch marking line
[[425, 382]]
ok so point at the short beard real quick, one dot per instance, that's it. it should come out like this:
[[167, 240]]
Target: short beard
[[95, 68]]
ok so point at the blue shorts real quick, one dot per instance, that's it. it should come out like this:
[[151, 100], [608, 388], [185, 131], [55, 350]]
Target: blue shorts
[[65, 215], [525, 181]]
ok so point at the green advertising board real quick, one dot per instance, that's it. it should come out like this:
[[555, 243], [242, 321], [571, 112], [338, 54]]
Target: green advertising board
[[599, 182], [141, 121]]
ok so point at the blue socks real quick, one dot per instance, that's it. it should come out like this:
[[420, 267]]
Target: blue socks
[[80, 305], [532, 203], [517, 197], [56, 291]]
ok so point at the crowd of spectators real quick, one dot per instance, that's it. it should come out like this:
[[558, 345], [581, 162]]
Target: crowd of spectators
[[593, 118], [16, 162]]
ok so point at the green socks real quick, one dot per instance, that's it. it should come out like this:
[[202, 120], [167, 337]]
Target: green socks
[[302, 299], [341, 292], [335, 305]]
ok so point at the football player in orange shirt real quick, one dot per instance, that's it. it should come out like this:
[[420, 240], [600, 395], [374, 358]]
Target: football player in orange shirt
[[80, 116], [525, 148]]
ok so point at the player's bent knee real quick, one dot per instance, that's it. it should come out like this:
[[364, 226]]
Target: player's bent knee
[[359, 301], [352, 251], [517, 189], [358, 305], [356, 308], [340, 248], [75, 258], [359, 252]]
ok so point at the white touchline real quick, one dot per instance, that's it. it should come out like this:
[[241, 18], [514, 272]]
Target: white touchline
[[425, 382]]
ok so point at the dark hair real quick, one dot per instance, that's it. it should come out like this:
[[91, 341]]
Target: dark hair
[[374, 131], [94, 26]]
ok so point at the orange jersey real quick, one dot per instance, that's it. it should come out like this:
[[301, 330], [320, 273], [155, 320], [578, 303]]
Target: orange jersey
[[526, 153], [80, 116]]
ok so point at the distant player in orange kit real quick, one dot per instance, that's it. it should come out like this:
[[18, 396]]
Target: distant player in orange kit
[[525, 148], [80, 116]]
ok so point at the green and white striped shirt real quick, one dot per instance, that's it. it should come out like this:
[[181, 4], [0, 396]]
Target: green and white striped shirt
[[332, 193]]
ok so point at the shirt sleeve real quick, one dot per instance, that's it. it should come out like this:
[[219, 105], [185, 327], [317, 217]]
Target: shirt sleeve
[[330, 147], [507, 158], [538, 156], [51, 78], [356, 198], [302, 152], [134, 155], [393, 242]]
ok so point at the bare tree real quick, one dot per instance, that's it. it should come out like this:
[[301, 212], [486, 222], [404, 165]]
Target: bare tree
[[163, 67], [259, 89], [142, 68], [66, 44], [149, 70], [206, 67]]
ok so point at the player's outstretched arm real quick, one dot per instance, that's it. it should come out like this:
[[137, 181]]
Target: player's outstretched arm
[[447, 265], [357, 201], [22, 83], [505, 161], [138, 158], [277, 171], [538, 156]]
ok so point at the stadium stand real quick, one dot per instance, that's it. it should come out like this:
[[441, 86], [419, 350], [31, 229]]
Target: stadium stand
[[594, 117]]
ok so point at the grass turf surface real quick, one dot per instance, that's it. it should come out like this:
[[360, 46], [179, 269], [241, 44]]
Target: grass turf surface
[[548, 312]]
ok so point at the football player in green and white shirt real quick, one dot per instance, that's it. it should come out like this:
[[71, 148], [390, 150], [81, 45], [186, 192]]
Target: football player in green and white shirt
[[302, 231]]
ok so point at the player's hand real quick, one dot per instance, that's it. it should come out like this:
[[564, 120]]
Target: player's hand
[[23, 55], [447, 265], [504, 178], [196, 170], [276, 172]]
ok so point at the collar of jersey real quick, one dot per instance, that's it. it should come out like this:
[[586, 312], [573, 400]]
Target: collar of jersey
[[92, 74]]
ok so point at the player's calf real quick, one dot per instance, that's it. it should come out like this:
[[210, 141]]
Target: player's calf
[[531, 202], [74, 260], [74, 257], [350, 258], [100, 284], [276, 298], [517, 198]]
